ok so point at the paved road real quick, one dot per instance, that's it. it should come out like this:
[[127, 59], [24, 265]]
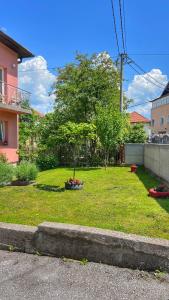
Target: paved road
[[24, 276]]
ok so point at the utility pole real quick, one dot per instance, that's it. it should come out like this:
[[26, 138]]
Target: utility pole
[[122, 60]]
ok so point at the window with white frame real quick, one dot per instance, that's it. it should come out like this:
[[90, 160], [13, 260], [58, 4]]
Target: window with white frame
[[3, 132]]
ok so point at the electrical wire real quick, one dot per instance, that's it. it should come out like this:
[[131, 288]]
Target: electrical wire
[[149, 54], [115, 28], [35, 70], [148, 80], [53, 68], [124, 22], [143, 103], [121, 24], [142, 70]]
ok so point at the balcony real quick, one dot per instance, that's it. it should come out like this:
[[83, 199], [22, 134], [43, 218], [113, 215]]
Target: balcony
[[13, 98]]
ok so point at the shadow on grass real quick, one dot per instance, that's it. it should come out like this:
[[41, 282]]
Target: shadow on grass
[[50, 188], [150, 181]]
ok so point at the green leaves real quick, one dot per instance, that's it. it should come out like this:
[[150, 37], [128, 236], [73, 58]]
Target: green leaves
[[82, 85], [136, 134], [111, 127], [74, 133]]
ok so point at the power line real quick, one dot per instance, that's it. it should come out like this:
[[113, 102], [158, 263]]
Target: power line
[[149, 54], [139, 104], [145, 77], [138, 66], [121, 24], [124, 22], [34, 70], [52, 68], [115, 28]]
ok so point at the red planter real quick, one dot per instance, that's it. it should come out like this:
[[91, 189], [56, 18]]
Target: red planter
[[155, 194], [133, 168]]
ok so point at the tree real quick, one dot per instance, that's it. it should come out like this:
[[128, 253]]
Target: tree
[[136, 134], [75, 135], [82, 85], [28, 135], [84, 90], [112, 127]]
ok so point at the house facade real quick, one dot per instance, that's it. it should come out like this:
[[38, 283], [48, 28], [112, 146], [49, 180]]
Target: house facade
[[136, 118], [160, 113], [11, 97]]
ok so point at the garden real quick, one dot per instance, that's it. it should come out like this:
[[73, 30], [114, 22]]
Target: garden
[[114, 199], [69, 161]]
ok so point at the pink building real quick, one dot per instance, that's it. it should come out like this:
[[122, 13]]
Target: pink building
[[11, 97]]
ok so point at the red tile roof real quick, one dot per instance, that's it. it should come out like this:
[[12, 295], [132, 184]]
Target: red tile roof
[[137, 118]]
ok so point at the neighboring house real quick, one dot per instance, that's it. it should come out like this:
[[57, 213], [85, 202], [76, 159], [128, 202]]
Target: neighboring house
[[136, 118], [160, 113], [11, 97]]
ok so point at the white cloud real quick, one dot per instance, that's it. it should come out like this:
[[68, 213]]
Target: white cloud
[[143, 88], [35, 78]]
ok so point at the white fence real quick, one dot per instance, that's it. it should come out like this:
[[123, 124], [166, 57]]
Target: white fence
[[134, 154], [155, 157]]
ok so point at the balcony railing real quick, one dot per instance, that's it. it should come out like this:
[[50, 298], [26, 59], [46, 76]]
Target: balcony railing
[[12, 95]]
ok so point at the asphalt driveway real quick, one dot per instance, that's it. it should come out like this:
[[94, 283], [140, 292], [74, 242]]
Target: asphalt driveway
[[24, 276]]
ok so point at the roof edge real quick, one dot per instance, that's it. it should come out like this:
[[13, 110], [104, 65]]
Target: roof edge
[[15, 46]]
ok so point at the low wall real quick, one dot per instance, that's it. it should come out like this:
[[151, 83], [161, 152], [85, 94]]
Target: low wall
[[156, 159], [78, 242], [17, 237], [134, 154]]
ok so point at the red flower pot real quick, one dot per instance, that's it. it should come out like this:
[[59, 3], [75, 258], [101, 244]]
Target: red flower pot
[[155, 194], [133, 168]]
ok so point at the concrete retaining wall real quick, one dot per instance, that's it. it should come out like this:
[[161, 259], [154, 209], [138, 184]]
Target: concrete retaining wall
[[134, 154], [78, 242], [17, 237], [156, 159]]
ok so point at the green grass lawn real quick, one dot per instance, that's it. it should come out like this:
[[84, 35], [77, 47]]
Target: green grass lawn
[[115, 199]]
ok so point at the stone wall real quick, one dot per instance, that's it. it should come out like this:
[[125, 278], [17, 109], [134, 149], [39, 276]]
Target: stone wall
[[93, 244]]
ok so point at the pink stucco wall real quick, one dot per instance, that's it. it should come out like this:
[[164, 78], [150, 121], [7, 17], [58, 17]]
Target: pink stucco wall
[[10, 150], [8, 61]]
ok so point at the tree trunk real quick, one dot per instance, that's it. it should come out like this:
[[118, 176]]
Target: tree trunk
[[106, 159]]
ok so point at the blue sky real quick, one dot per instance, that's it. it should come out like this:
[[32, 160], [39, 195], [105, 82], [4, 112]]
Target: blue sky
[[55, 30]]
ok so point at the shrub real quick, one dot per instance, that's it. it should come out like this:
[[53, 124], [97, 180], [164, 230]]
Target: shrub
[[6, 173], [26, 171], [3, 158], [47, 161]]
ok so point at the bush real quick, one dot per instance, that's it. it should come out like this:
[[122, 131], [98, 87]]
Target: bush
[[3, 158], [47, 161], [26, 171], [6, 173]]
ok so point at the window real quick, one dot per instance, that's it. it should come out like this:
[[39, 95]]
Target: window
[[3, 132], [152, 123], [161, 121], [1, 82]]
